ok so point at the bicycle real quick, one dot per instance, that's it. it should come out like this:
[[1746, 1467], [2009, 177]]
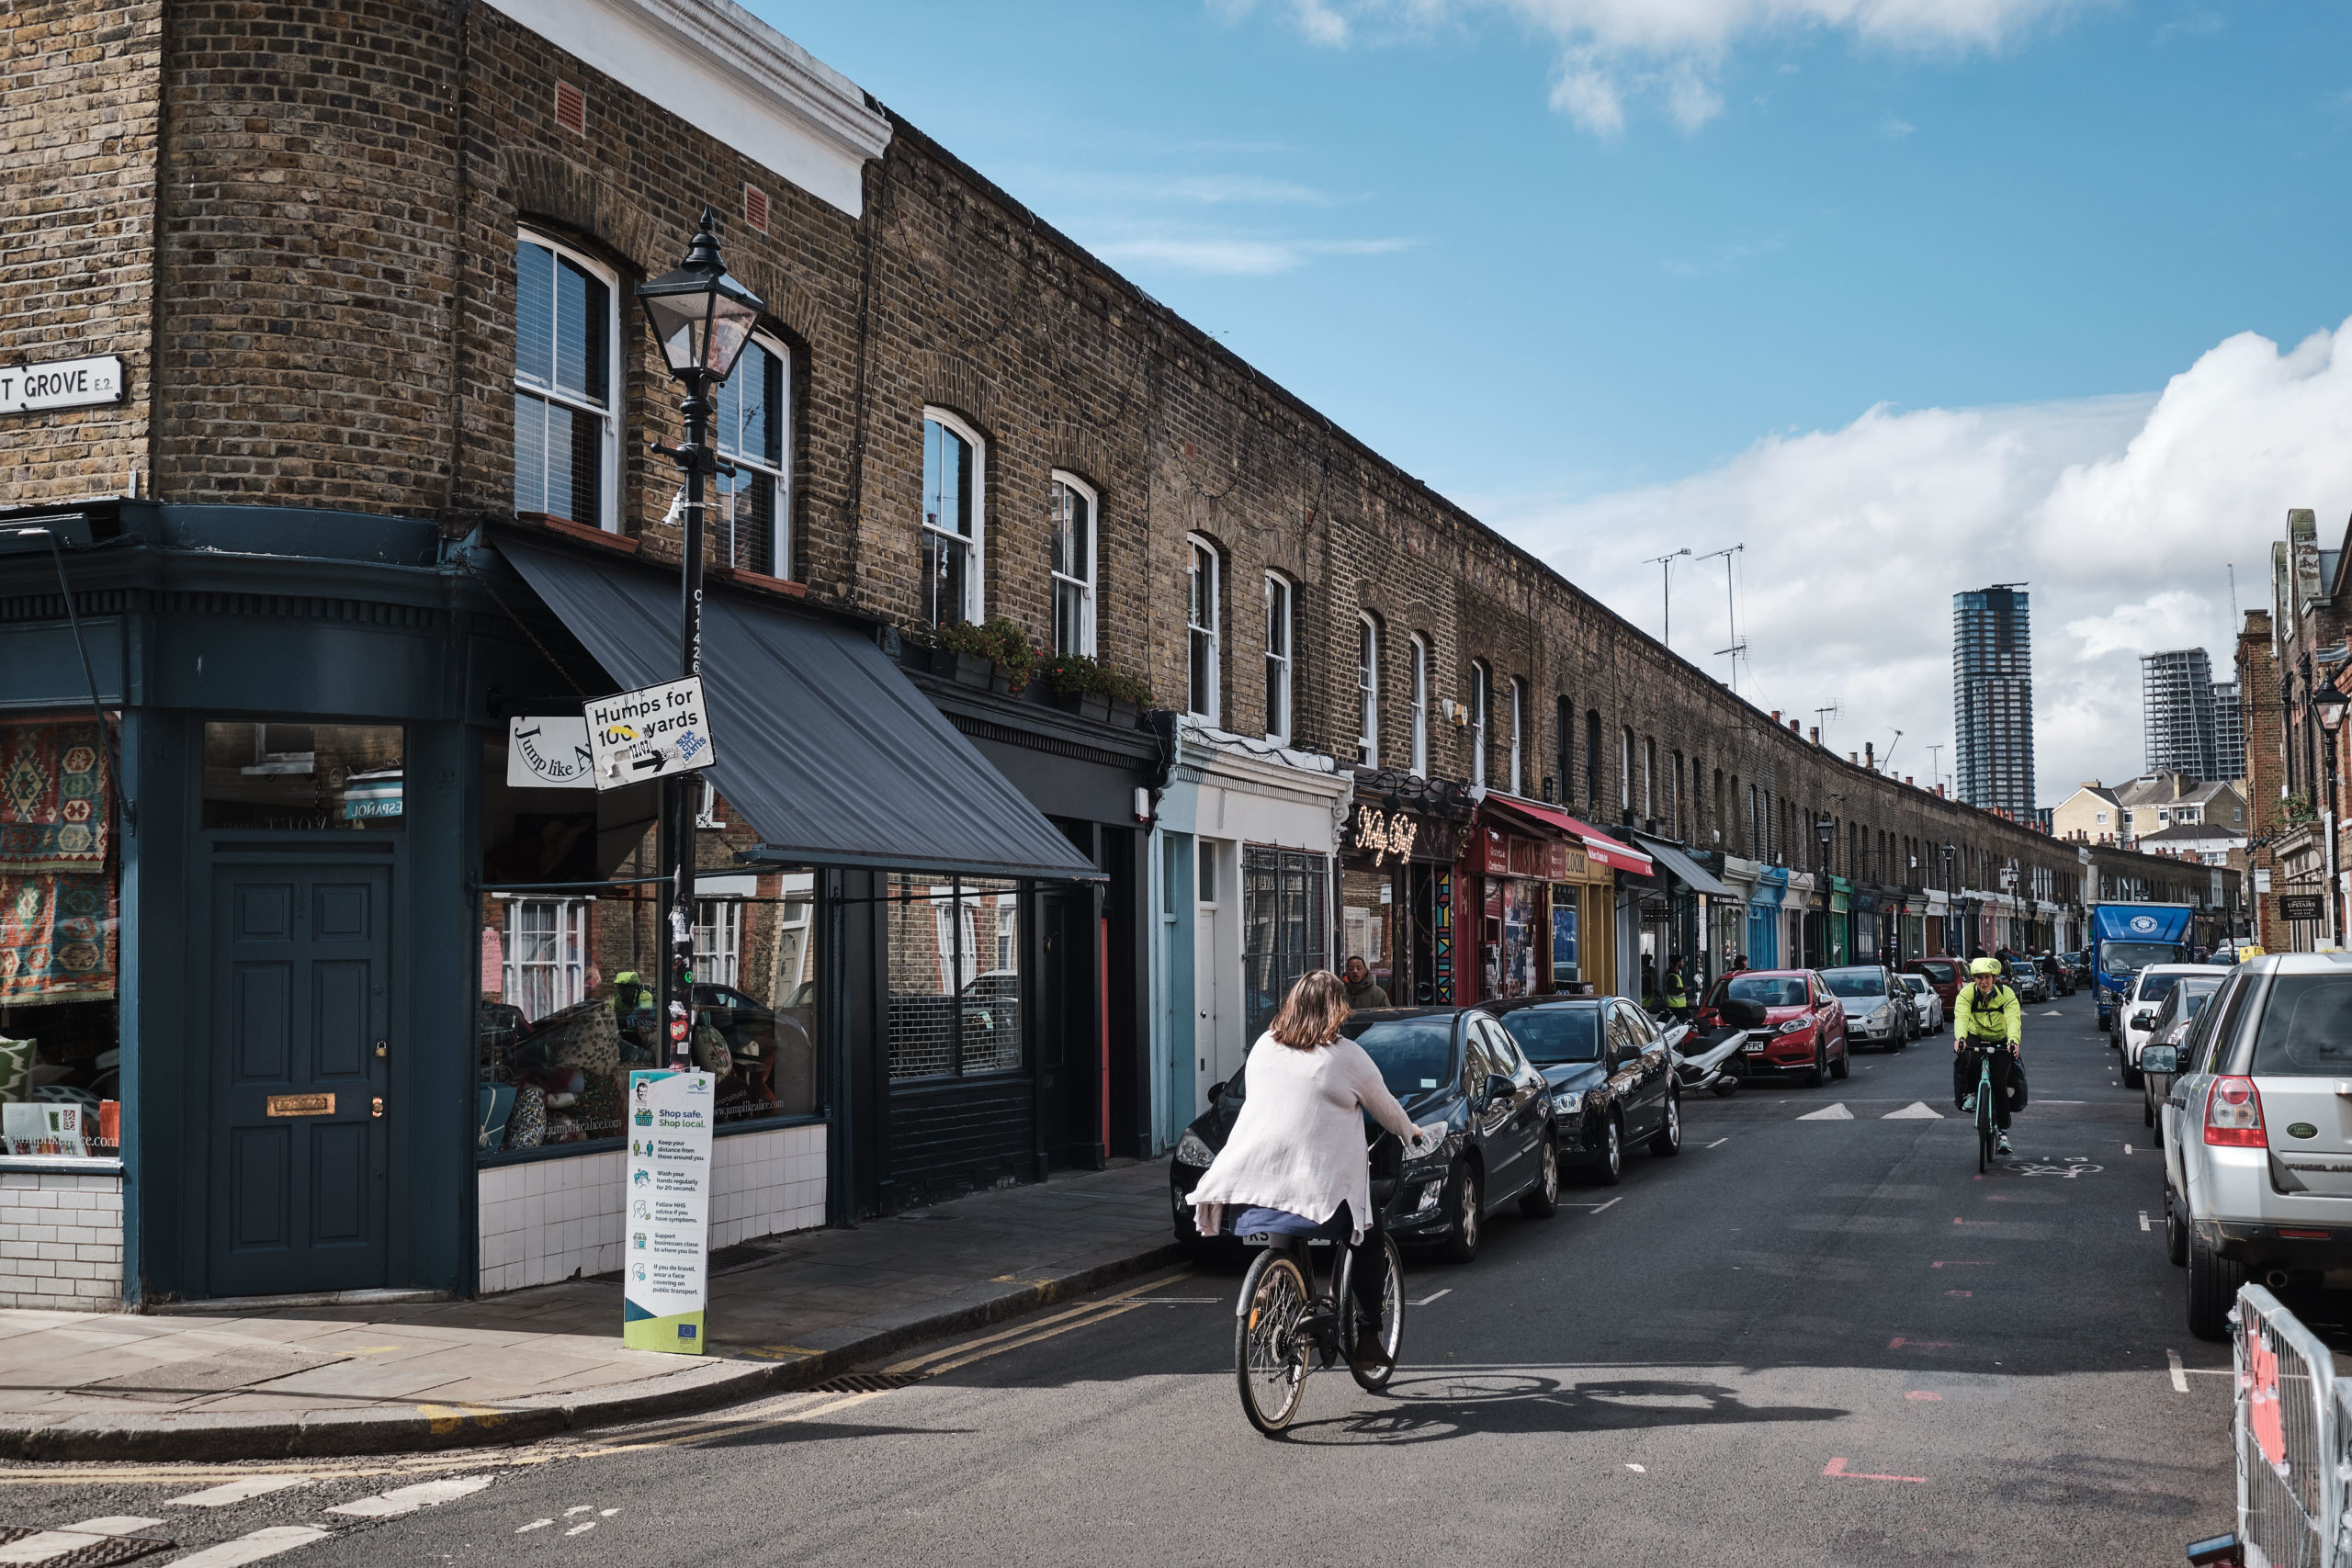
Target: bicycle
[[1987, 1127], [1283, 1329]]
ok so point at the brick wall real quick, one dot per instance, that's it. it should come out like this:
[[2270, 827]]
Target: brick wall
[[61, 1240], [79, 117], [2257, 675]]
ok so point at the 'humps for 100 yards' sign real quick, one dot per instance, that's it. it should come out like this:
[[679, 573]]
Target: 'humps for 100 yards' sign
[[649, 734]]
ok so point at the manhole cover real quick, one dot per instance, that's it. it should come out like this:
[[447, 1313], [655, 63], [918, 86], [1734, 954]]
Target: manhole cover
[[90, 1554], [861, 1383]]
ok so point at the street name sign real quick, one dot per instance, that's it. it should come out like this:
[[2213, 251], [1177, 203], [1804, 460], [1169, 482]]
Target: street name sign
[[65, 384], [649, 733], [665, 1267], [547, 752]]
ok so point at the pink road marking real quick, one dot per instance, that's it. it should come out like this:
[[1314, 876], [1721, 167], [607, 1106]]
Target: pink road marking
[[1964, 1263], [1919, 1393], [1898, 1342], [1837, 1467], [1958, 1221], [1960, 1293]]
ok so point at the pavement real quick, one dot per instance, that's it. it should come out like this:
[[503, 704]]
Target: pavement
[[372, 1376]]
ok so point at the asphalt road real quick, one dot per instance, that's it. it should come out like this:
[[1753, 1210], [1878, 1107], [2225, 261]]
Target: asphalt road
[[1804, 1341]]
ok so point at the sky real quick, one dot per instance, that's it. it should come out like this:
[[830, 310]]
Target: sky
[[1904, 297]]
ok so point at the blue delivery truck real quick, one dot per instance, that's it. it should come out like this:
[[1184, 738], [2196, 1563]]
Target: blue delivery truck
[[2126, 938]]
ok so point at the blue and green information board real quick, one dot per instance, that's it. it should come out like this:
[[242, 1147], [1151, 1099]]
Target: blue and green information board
[[665, 1267]]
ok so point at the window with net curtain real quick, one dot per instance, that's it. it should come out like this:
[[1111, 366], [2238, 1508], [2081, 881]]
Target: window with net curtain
[[564, 431], [1201, 612], [1278, 642], [752, 525]]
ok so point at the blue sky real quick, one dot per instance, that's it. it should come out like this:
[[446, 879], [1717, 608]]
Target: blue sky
[[1623, 276]]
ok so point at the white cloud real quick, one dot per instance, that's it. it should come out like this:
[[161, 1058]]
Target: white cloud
[[1232, 256], [2119, 513], [1612, 49]]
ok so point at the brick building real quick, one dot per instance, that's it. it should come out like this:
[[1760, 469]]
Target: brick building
[[376, 496]]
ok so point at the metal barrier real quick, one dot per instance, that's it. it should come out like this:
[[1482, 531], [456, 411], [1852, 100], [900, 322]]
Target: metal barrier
[[2290, 1422]]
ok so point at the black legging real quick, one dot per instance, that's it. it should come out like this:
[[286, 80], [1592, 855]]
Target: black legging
[[1370, 1255], [1964, 1080]]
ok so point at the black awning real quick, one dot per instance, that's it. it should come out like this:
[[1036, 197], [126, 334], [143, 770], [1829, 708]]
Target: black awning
[[1685, 869], [826, 751]]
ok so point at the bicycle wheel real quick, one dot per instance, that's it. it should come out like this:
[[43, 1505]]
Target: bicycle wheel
[[1983, 1123], [1270, 1342], [1389, 1332]]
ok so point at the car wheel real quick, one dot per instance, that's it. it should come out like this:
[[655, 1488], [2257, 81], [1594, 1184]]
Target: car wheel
[[1820, 1072], [2147, 1111], [1610, 1168], [1542, 1200], [1843, 1066], [2176, 1232], [2213, 1282], [1667, 1142], [1462, 1243], [2131, 1078]]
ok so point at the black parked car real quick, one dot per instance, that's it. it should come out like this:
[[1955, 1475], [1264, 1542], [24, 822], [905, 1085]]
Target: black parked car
[[1610, 1075], [2028, 980], [1452, 1065], [2078, 967]]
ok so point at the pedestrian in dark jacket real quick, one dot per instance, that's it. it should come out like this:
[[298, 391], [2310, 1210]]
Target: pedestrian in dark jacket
[[1363, 991]]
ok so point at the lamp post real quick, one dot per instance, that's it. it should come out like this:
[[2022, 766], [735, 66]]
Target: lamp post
[[701, 318], [2328, 705], [1824, 828], [1951, 903]]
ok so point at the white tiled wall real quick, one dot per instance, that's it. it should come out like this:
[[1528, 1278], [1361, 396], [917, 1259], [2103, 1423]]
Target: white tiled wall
[[61, 1240], [552, 1218]]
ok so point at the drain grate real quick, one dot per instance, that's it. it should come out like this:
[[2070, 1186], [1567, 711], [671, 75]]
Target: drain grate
[[861, 1383], [99, 1553]]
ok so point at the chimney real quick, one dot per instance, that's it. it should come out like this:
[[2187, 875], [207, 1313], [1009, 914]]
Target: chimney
[[1792, 727], [1776, 718], [1940, 790], [1909, 780], [1817, 733], [1869, 755], [1853, 757]]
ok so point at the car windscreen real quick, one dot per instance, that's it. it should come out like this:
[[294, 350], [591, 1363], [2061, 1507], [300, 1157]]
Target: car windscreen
[[2117, 957], [1551, 1035], [1414, 1055], [1856, 982], [1942, 973], [2156, 987], [1917, 985], [1765, 990], [2306, 1029]]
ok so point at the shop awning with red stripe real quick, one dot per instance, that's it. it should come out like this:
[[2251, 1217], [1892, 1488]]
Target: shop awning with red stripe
[[1597, 844]]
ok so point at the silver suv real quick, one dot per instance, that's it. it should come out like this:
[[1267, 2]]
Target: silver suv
[[2258, 1132]]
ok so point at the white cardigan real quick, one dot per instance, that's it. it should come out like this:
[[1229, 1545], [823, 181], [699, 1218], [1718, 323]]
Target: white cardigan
[[1299, 1143]]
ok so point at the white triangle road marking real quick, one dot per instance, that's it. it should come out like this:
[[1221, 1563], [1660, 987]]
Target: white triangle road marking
[[252, 1547], [408, 1499], [47, 1544], [2054, 1012], [1918, 1110], [1836, 1112]]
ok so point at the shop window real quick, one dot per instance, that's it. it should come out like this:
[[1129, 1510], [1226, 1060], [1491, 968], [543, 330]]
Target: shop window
[[1367, 692], [954, 988], [59, 951], [754, 527], [1285, 897], [565, 433], [1480, 681], [1518, 713], [1201, 622], [1073, 566], [303, 776], [1278, 655], [1420, 768], [954, 519]]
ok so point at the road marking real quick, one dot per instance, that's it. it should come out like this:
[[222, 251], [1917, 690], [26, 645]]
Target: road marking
[[582, 1508], [252, 1547], [1964, 1263], [1918, 1110], [1433, 1296], [1637, 1470], [1898, 1342], [1611, 1205], [2144, 1219], [1958, 1221], [1836, 1112], [582, 1528], [2126, 1148], [47, 1544], [534, 1525], [409, 1499], [1960, 1293], [1921, 1394], [1837, 1467], [922, 1365], [2179, 1376], [238, 1490], [1719, 1143]]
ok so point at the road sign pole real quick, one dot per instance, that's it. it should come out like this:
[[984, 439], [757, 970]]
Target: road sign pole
[[679, 790]]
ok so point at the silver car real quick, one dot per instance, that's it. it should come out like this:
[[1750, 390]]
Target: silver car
[[1878, 1010], [2257, 1132], [1926, 1006]]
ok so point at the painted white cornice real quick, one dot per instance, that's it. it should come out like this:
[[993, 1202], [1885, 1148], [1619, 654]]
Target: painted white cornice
[[725, 72]]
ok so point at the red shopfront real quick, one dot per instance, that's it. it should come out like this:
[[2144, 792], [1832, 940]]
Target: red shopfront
[[1507, 878]]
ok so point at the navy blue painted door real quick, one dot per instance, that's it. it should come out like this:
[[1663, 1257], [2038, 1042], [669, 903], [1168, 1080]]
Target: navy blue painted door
[[302, 1032]]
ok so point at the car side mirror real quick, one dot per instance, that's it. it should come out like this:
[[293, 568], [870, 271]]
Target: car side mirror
[[2160, 1059], [1217, 1092], [2145, 1019], [1498, 1088]]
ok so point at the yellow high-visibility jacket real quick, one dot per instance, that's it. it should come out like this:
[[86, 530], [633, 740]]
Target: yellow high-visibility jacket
[[2000, 1019]]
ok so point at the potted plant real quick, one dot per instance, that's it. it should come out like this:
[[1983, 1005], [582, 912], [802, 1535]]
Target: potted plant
[[1129, 697], [994, 655], [1077, 684]]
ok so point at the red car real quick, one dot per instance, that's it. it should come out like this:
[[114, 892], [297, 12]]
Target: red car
[[1803, 1028], [1942, 973]]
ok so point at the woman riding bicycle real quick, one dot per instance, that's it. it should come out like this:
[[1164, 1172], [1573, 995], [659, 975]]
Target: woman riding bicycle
[[1986, 1014], [1295, 1160]]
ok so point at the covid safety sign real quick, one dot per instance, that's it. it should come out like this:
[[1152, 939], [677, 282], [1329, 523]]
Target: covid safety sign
[[651, 733]]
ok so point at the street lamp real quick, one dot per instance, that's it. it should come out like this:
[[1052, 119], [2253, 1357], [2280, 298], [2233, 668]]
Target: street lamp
[[1825, 827], [2328, 705], [701, 318]]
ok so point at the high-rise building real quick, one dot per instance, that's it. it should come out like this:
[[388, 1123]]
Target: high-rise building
[[1992, 698], [2229, 732], [2176, 713]]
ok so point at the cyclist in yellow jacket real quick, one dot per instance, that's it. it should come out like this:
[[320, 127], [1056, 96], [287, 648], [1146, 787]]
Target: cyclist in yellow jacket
[[1986, 1012]]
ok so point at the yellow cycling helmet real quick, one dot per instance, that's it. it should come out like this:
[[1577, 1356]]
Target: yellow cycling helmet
[[1984, 967]]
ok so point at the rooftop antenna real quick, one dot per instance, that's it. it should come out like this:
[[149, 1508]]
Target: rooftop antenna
[[1665, 565], [1935, 763], [1824, 715], [1739, 649], [1887, 761], [2236, 620]]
